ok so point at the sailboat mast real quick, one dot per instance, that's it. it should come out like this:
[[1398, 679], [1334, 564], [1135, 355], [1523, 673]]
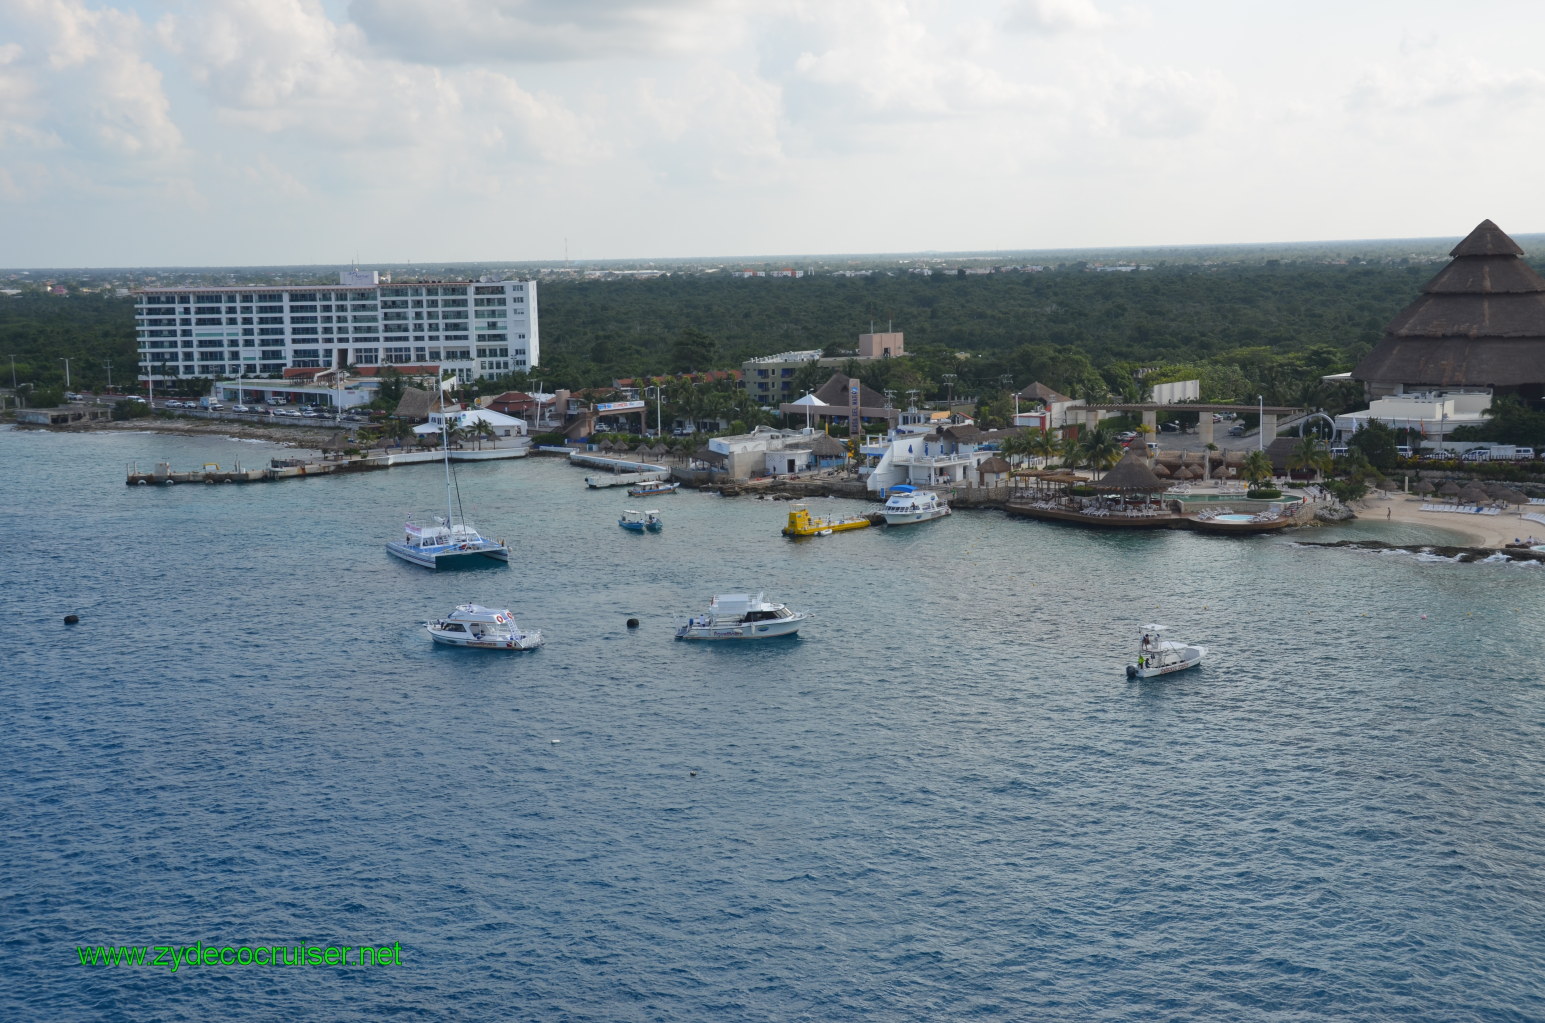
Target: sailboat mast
[[445, 440]]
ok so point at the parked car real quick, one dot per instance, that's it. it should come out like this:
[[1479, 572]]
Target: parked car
[[1126, 435], [1237, 430], [1170, 427]]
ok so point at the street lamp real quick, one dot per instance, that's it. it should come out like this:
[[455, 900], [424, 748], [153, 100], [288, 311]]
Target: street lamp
[[66, 373], [1260, 423], [659, 397]]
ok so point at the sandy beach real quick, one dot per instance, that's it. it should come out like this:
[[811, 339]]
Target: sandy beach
[[1483, 530]]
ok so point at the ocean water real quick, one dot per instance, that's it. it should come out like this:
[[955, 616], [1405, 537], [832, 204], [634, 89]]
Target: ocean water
[[943, 801]]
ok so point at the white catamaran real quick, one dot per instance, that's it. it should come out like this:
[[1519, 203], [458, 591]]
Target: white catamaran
[[448, 541]]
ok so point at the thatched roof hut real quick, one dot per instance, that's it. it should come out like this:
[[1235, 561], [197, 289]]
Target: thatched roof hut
[[1132, 474], [1449, 489], [1479, 323], [826, 446], [1422, 487]]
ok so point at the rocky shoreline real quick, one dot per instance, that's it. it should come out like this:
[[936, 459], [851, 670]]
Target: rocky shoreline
[[310, 437], [1464, 555]]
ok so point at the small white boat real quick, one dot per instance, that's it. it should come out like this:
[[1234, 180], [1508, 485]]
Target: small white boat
[[641, 521], [742, 616], [483, 628], [907, 505], [654, 488], [1159, 656]]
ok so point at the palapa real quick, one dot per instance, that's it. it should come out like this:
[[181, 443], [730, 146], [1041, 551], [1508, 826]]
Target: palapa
[[1132, 474]]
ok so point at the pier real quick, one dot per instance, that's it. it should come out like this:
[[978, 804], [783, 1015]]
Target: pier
[[299, 468]]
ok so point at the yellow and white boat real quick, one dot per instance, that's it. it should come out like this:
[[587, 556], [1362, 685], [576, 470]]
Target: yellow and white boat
[[802, 523]]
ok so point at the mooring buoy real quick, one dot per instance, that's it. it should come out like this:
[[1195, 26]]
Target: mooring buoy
[[632, 623], [71, 619]]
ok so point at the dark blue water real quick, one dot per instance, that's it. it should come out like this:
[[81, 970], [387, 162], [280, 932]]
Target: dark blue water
[[943, 801]]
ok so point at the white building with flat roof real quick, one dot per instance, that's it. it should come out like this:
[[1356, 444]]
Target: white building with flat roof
[[478, 329]]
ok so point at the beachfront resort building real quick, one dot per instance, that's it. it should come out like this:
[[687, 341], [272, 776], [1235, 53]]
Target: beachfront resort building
[[475, 329], [1477, 330]]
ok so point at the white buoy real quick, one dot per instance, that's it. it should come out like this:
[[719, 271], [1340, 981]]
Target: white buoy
[[557, 741]]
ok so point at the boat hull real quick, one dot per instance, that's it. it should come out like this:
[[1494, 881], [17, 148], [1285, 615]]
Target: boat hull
[[912, 518], [523, 641], [744, 630], [1191, 659], [459, 556]]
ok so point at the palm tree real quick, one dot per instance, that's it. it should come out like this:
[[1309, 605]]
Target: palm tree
[[1257, 468], [1101, 448], [1044, 444], [484, 430], [395, 429], [1309, 454]]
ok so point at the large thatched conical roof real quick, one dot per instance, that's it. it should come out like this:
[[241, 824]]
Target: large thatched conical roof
[[1480, 322], [1131, 474]]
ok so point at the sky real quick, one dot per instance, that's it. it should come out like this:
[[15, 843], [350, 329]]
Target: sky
[[256, 132]]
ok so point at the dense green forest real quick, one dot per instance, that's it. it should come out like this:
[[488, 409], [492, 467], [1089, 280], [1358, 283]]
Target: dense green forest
[[1243, 329]]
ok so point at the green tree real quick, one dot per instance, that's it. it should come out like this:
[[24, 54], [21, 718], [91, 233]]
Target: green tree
[[1257, 468], [1100, 448], [1376, 442], [694, 351], [1309, 454]]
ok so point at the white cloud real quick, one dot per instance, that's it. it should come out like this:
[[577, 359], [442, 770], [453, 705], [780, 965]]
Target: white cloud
[[77, 79], [1053, 17], [451, 32]]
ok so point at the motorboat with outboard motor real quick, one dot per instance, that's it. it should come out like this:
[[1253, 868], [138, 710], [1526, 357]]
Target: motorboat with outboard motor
[[641, 521], [1159, 656]]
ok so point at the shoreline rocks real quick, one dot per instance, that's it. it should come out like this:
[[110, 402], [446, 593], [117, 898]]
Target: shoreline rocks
[[1464, 555]]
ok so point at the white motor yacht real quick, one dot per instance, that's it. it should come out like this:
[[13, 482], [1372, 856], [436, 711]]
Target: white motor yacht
[[742, 616], [907, 505], [484, 628]]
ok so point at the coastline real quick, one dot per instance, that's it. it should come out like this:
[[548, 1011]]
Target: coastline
[[312, 438], [1493, 531], [1490, 531]]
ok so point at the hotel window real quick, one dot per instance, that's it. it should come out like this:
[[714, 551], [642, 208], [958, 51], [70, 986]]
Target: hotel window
[[454, 303], [488, 289], [399, 356], [270, 308], [270, 331], [365, 356]]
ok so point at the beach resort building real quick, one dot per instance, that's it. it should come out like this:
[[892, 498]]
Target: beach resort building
[[1477, 330], [475, 329]]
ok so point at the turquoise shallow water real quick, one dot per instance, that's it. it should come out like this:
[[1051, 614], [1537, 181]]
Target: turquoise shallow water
[[944, 800]]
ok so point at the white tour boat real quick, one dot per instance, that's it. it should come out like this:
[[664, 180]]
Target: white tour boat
[[907, 505], [1159, 656], [448, 541], [483, 628], [742, 616]]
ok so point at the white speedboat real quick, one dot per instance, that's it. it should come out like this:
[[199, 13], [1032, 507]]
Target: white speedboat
[[448, 541], [907, 505], [483, 628], [742, 616], [1159, 656]]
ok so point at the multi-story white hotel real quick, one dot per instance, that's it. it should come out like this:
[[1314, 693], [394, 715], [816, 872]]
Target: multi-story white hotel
[[479, 329]]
